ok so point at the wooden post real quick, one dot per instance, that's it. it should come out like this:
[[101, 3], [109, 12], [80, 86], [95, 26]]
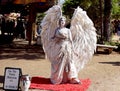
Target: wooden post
[[31, 20]]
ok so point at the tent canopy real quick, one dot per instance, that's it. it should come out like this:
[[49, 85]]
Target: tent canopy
[[27, 1]]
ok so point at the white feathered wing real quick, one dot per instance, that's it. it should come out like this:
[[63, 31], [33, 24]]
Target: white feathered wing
[[84, 37], [49, 25]]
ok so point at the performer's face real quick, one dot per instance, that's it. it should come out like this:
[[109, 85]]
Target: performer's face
[[62, 22]]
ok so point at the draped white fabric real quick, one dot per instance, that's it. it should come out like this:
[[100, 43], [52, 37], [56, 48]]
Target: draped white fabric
[[72, 48]]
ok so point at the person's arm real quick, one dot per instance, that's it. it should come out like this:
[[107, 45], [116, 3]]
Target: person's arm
[[61, 34]]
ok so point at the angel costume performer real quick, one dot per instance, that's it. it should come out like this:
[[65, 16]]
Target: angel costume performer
[[67, 49]]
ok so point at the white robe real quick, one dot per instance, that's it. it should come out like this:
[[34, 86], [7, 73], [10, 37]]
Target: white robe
[[62, 65]]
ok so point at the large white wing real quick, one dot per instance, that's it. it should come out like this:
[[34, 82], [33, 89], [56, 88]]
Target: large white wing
[[84, 37], [49, 25]]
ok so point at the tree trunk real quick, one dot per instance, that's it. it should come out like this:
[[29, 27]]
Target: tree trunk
[[31, 20], [101, 19], [107, 15]]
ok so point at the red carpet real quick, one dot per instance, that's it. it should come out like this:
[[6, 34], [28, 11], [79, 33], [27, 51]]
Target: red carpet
[[45, 84]]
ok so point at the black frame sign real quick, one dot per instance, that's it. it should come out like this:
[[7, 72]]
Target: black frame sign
[[12, 78]]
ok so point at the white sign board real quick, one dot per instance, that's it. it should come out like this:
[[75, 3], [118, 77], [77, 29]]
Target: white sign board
[[11, 80]]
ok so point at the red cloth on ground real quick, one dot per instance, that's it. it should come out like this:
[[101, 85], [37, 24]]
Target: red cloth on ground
[[45, 84]]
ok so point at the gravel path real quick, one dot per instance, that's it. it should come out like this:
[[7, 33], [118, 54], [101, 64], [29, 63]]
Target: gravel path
[[103, 69]]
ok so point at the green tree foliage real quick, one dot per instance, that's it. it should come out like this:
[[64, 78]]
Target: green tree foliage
[[116, 9], [98, 10], [91, 6]]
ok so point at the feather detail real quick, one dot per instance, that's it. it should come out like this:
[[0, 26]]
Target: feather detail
[[49, 24], [84, 37]]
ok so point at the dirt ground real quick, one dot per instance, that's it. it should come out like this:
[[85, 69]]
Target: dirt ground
[[103, 70]]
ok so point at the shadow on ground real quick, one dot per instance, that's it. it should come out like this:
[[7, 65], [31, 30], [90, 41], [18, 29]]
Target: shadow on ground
[[21, 52], [112, 63]]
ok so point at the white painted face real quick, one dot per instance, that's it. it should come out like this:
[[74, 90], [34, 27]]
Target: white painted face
[[62, 22]]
